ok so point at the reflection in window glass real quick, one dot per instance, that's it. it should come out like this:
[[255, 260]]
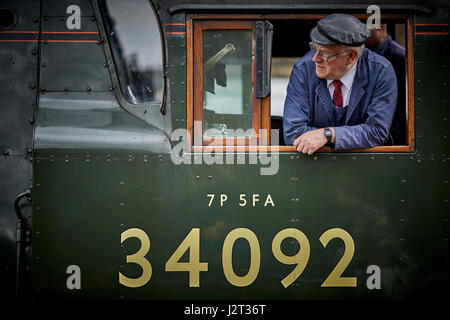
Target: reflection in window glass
[[227, 81], [135, 40]]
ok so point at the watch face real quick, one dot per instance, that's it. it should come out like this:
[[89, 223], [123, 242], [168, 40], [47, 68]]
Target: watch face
[[328, 134]]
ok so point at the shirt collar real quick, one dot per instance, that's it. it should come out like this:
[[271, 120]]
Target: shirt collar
[[347, 79]]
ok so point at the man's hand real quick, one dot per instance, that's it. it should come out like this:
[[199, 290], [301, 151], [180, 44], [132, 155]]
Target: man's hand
[[311, 141]]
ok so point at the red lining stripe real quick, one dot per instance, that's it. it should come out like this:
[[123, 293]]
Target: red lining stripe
[[19, 40], [19, 31], [92, 41], [12, 40], [71, 32], [438, 33], [432, 24]]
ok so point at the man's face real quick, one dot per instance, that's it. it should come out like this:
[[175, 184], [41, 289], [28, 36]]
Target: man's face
[[337, 66]]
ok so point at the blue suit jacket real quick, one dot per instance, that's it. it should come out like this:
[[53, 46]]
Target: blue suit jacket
[[371, 107]]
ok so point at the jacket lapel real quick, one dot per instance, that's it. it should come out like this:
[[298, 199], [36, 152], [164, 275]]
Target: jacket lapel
[[325, 100], [359, 85]]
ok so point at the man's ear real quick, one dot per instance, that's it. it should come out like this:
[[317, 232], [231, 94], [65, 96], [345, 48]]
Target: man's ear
[[352, 56]]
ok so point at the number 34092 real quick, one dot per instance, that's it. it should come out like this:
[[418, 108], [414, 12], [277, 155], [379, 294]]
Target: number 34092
[[195, 266]]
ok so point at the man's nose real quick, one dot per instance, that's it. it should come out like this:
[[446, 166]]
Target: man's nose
[[317, 58]]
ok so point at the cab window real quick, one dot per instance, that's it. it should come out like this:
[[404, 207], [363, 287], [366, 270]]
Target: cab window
[[136, 45], [223, 107], [223, 80]]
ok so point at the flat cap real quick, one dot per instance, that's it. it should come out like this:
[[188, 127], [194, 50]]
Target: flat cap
[[340, 28]]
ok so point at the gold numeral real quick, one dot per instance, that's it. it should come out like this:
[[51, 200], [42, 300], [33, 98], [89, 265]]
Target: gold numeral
[[194, 266], [300, 258], [334, 279], [138, 258], [227, 257]]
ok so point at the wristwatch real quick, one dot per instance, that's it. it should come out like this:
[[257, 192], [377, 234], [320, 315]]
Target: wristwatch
[[328, 134]]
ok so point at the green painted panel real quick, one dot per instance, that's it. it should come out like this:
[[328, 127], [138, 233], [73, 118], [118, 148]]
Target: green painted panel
[[73, 61]]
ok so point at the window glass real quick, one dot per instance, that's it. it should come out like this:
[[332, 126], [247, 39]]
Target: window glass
[[135, 39], [227, 82]]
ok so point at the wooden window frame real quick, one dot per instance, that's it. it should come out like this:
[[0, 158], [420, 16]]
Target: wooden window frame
[[263, 105], [260, 107]]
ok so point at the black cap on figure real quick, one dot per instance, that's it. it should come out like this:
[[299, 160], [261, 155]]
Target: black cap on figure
[[340, 29]]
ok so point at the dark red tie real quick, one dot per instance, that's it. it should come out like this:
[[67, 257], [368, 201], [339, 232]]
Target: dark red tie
[[337, 95]]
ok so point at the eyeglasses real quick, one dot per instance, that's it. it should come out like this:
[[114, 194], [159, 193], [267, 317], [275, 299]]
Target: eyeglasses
[[327, 57]]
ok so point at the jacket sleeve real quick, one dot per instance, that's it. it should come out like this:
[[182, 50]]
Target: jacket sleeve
[[297, 111], [380, 112]]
